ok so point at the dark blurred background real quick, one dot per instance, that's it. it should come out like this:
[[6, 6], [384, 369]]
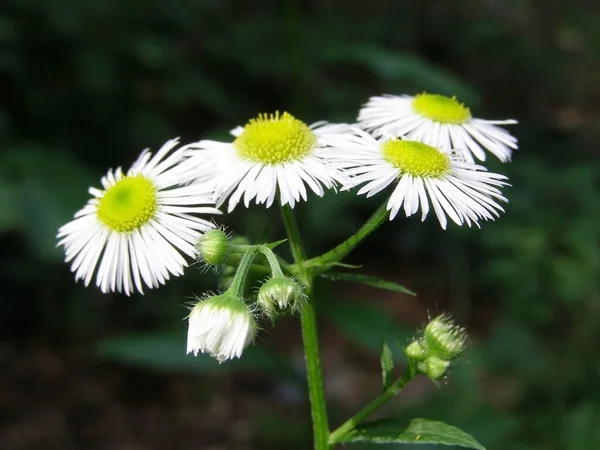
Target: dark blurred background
[[86, 85]]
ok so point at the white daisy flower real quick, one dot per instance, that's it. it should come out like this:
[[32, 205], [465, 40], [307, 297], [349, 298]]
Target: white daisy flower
[[221, 325], [138, 226], [440, 121], [422, 176], [272, 153]]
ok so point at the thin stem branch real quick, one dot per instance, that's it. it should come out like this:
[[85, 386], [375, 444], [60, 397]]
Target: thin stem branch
[[308, 320], [239, 280], [371, 407], [342, 250], [272, 260]]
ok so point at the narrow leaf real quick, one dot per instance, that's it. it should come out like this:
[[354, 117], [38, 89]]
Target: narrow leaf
[[417, 431], [368, 280], [387, 366], [275, 244], [344, 265]]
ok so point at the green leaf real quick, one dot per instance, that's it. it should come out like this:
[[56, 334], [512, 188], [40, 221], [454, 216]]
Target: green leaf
[[369, 281], [387, 366], [418, 431], [164, 351], [46, 201]]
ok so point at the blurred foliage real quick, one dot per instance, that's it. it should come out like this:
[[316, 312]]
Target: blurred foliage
[[87, 85]]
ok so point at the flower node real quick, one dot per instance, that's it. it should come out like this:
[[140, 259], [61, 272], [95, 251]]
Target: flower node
[[275, 139], [440, 108]]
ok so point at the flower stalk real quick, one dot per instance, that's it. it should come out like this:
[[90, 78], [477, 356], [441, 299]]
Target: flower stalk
[[308, 319]]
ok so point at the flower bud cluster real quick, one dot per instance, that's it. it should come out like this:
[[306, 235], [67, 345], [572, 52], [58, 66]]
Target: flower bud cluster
[[441, 342], [223, 325]]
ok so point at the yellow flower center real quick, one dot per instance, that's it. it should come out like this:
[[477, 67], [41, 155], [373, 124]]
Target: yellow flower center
[[275, 139], [440, 108], [416, 158], [128, 205]]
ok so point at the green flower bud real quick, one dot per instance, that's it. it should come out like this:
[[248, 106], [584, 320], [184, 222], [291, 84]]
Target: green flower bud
[[444, 339], [213, 247], [433, 367], [415, 351], [279, 294]]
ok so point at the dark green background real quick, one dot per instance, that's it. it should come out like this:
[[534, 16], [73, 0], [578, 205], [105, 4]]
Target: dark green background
[[86, 85]]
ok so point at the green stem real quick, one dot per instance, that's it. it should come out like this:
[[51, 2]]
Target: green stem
[[239, 280], [308, 320], [272, 260], [342, 250], [291, 228], [234, 260], [375, 404]]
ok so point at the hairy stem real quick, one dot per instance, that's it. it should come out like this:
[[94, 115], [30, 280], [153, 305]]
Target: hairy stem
[[308, 320]]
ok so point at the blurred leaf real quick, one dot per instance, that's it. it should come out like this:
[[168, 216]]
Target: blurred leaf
[[368, 280], [387, 366], [9, 213], [49, 187], [418, 431], [366, 325], [512, 347], [165, 352], [394, 66]]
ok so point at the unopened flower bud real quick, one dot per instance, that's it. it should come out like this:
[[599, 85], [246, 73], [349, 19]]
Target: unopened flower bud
[[434, 367], [212, 247], [221, 325], [415, 351], [279, 294], [444, 339]]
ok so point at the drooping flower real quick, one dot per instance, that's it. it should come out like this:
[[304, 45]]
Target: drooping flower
[[422, 176], [274, 154], [221, 325], [136, 229], [440, 121]]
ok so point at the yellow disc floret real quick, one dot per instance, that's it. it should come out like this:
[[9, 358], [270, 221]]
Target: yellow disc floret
[[416, 158], [128, 205], [275, 139], [440, 108]]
